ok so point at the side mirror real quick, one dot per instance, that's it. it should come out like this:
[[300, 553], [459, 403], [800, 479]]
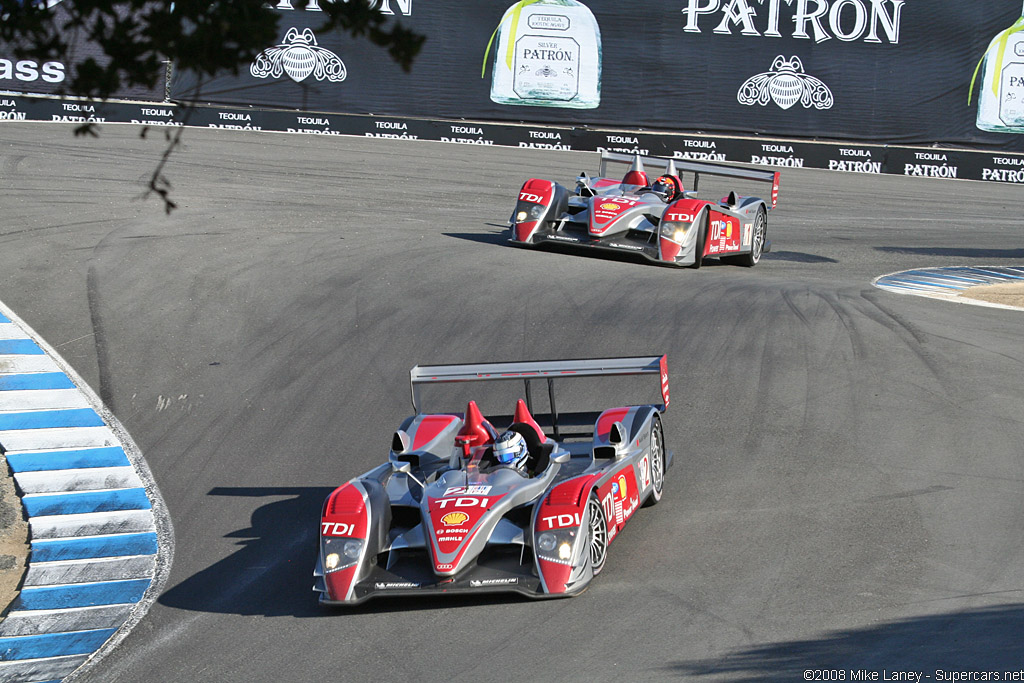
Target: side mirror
[[401, 466], [560, 457]]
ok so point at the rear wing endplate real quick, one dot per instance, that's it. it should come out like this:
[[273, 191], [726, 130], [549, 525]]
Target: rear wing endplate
[[697, 168], [546, 371]]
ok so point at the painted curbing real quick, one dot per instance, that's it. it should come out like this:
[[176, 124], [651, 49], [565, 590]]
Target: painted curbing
[[949, 282], [100, 539]]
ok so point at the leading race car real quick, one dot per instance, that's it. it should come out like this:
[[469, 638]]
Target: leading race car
[[459, 508], [658, 220]]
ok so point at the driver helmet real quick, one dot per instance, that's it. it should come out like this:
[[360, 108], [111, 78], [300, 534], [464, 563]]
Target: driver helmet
[[664, 187], [510, 449]]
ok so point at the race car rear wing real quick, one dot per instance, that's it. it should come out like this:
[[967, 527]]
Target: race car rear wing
[[695, 167], [547, 371]]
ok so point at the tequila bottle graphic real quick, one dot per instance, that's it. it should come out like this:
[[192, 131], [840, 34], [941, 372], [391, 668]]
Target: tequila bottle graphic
[[546, 53], [1001, 98]]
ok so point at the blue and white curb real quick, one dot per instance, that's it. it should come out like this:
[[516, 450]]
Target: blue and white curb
[[950, 282], [100, 538]]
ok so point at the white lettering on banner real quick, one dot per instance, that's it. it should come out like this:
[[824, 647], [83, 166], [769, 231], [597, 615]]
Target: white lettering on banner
[[156, 122], [77, 119], [13, 116], [855, 153], [1005, 175], [305, 120], [625, 150], [1005, 161], [699, 156], [929, 156], [702, 144], [545, 135], [392, 125], [621, 140], [404, 7], [234, 116], [791, 162], [6, 103], [468, 141], [28, 70], [855, 166], [545, 145], [87, 108], [403, 136], [467, 130], [146, 111], [232, 126], [312, 131], [869, 20], [930, 170]]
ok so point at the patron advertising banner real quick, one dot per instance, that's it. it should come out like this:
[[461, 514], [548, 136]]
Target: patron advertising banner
[[879, 71]]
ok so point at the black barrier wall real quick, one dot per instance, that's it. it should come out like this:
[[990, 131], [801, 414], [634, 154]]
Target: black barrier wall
[[903, 72], [872, 71], [929, 162]]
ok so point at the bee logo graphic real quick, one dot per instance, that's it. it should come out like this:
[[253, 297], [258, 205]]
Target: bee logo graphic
[[299, 56], [786, 84]]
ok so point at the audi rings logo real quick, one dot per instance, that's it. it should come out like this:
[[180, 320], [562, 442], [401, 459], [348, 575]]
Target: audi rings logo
[[299, 56]]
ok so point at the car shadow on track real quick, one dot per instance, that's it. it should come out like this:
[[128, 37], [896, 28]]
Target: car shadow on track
[[271, 574], [983, 639], [796, 256], [965, 252]]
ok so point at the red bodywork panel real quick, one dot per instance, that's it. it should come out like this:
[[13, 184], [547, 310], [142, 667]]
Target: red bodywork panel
[[562, 508], [429, 427], [344, 515], [723, 236], [534, 191]]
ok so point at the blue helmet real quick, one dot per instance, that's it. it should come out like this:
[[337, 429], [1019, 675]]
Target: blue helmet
[[510, 449]]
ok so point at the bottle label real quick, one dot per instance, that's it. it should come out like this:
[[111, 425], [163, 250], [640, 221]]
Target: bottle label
[[546, 68]]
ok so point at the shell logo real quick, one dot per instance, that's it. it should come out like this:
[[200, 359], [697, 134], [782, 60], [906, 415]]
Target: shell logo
[[455, 519], [622, 486], [610, 207]]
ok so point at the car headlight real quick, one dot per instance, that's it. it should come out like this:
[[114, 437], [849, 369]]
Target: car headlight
[[528, 211], [565, 550], [331, 561], [352, 548], [674, 231], [546, 542]]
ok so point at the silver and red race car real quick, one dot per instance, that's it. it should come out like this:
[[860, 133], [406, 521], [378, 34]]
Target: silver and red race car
[[444, 515], [656, 218]]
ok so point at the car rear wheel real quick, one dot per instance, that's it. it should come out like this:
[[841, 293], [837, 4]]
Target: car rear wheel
[[597, 535], [656, 462]]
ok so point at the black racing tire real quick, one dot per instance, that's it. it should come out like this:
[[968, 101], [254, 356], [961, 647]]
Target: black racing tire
[[698, 248], [757, 239], [657, 462], [597, 535]]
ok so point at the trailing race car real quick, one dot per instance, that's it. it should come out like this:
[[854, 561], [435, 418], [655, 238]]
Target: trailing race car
[[659, 220], [462, 507]]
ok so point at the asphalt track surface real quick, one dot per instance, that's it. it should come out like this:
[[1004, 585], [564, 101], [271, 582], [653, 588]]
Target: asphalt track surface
[[848, 489]]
